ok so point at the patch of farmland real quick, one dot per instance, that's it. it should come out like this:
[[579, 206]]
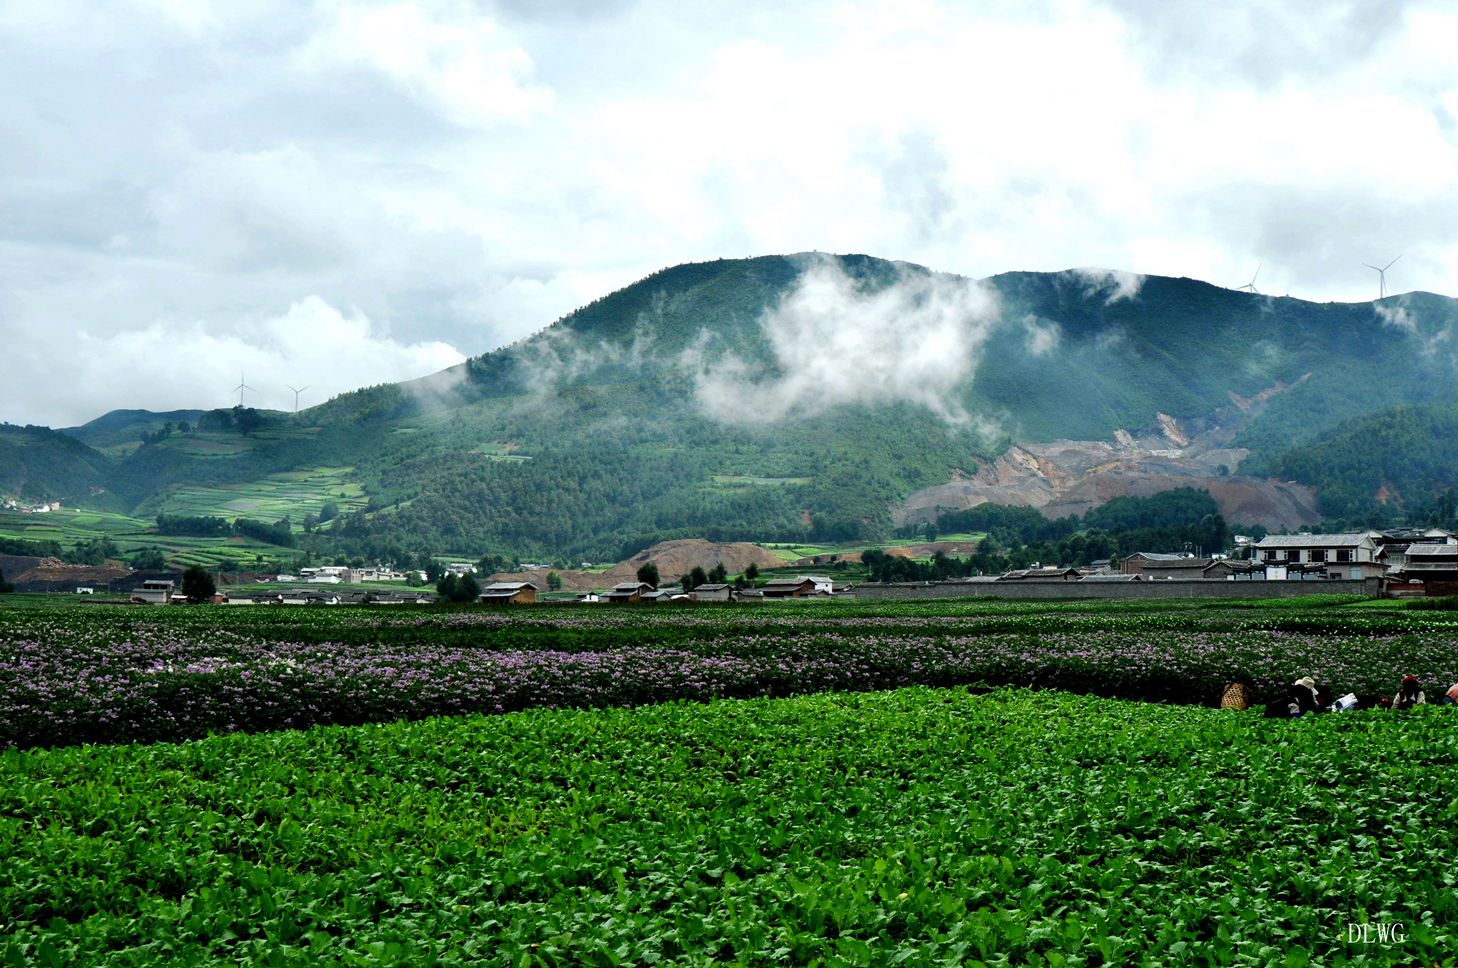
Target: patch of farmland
[[177, 673], [743, 482], [71, 527], [293, 494], [919, 827]]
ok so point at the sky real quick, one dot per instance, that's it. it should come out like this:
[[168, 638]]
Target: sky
[[332, 194]]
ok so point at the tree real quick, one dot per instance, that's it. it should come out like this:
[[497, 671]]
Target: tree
[[698, 577], [5, 586], [247, 420], [95, 551], [149, 559], [718, 575], [198, 585], [554, 582], [751, 572], [648, 574], [467, 589], [446, 587], [329, 510]]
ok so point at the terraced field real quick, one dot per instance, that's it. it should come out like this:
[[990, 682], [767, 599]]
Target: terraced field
[[71, 527], [292, 494]]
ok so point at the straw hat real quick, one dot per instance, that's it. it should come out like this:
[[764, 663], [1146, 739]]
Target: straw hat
[[1306, 681]]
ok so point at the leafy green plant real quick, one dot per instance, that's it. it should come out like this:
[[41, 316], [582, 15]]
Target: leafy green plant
[[912, 827]]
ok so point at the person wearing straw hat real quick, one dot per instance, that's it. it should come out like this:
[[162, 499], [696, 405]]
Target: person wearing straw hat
[[1300, 698], [1304, 695]]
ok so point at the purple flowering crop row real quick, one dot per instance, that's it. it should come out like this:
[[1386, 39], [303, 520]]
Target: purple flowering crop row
[[156, 686]]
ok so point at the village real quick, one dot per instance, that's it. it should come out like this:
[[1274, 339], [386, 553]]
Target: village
[[1395, 563]]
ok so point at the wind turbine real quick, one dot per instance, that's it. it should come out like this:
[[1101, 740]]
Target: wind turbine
[[1381, 276], [1250, 286], [242, 385], [297, 391]]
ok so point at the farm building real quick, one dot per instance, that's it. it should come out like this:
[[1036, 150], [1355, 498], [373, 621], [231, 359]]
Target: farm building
[[1219, 570], [1393, 543], [153, 592], [1316, 549], [1048, 573], [508, 593], [627, 592], [1435, 565], [1155, 565], [713, 593], [801, 586]]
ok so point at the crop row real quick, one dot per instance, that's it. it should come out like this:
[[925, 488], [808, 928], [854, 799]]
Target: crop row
[[920, 827], [154, 686]]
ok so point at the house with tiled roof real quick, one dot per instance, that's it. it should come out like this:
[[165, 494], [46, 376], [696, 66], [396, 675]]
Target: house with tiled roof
[[508, 593]]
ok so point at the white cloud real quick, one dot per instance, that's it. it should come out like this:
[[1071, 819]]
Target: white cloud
[[1112, 284], [197, 366], [446, 54], [1396, 316], [456, 60], [1043, 336], [837, 341], [467, 172]]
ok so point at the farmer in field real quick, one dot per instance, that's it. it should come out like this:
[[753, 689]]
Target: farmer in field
[[1304, 693], [1409, 694], [1300, 698], [1450, 698]]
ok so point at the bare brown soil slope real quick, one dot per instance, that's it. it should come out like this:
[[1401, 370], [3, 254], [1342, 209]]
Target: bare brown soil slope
[[1071, 476], [26, 572]]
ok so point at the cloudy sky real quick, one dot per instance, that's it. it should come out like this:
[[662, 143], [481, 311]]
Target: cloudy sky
[[338, 194]]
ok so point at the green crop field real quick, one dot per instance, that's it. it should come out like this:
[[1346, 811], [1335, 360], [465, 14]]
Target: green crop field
[[919, 827], [293, 494], [71, 528], [63, 524], [846, 784], [796, 551]]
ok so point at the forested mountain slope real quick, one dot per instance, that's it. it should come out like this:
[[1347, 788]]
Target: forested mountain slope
[[803, 396]]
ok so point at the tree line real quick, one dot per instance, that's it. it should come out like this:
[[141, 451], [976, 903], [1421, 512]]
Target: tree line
[[279, 532]]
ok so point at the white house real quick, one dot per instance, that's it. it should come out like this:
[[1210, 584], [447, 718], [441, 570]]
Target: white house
[[1351, 555], [153, 592], [1293, 549]]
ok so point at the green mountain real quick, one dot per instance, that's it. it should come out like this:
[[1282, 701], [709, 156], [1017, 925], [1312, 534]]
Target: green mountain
[[40, 464], [784, 397], [120, 431], [1379, 467]]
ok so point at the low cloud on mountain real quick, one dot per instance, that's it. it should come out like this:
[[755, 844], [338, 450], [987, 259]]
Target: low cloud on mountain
[[836, 341]]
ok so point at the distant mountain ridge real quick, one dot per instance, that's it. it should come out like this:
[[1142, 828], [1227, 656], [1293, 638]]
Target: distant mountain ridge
[[804, 396]]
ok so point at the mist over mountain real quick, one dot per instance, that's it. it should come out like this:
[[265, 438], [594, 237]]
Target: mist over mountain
[[816, 396]]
